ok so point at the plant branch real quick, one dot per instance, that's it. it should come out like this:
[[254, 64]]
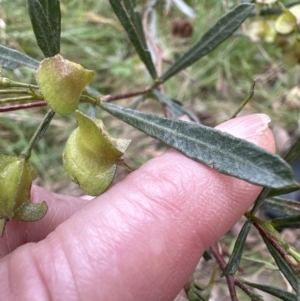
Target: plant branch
[[15, 91], [16, 99], [7, 83], [109, 98], [23, 106], [38, 134], [250, 95], [231, 279], [267, 231]]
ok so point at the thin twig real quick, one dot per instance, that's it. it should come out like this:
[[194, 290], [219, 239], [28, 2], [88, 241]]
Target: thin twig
[[23, 106], [16, 99], [15, 91], [40, 131], [270, 238], [241, 106], [108, 98], [229, 278]]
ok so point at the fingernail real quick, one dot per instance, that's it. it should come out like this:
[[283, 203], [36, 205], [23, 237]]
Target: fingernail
[[246, 126]]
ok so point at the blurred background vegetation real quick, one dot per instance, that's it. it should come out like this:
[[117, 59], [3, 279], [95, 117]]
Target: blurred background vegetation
[[211, 89]]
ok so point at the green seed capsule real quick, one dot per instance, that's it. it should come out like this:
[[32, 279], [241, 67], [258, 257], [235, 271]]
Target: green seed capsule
[[62, 82], [91, 154], [16, 176]]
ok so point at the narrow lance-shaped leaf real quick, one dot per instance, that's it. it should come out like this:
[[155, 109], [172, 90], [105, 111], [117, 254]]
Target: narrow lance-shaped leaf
[[12, 59], [283, 266], [274, 291], [131, 21], [45, 19], [237, 253], [286, 221], [275, 192], [218, 33], [289, 207], [221, 151]]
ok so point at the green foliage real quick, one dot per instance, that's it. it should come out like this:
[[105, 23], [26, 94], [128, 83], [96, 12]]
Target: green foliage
[[221, 151], [274, 291], [132, 23], [91, 155], [45, 18], [12, 59], [288, 207], [237, 253]]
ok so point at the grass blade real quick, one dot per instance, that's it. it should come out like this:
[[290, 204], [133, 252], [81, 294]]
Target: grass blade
[[218, 33], [131, 21], [219, 150], [12, 59], [45, 19]]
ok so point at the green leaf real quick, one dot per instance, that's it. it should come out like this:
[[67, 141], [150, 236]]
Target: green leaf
[[274, 291], [131, 21], [275, 192], [283, 266], [12, 59], [45, 19], [289, 207], [236, 256], [219, 150], [287, 221], [219, 32]]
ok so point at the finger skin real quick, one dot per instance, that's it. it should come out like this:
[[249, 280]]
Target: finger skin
[[142, 239]]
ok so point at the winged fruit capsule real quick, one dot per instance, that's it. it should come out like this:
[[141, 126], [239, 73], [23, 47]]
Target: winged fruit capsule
[[90, 155], [16, 176], [62, 82]]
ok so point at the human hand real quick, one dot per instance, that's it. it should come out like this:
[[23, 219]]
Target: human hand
[[140, 240]]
